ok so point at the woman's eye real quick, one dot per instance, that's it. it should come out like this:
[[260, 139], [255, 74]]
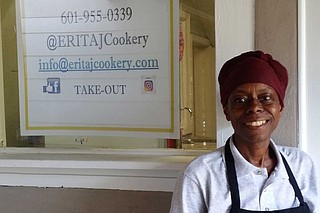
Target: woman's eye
[[240, 100], [265, 98]]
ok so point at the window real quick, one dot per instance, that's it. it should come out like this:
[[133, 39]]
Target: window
[[196, 78]]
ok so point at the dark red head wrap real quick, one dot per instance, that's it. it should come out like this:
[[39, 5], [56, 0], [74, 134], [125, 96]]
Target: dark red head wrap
[[252, 67]]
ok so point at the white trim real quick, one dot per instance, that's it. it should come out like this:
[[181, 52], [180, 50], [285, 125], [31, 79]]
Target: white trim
[[146, 170], [302, 82]]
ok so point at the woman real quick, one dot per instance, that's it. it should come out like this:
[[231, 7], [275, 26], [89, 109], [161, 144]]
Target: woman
[[250, 173]]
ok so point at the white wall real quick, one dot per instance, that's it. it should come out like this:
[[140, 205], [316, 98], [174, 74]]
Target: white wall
[[269, 37], [309, 78], [231, 41]]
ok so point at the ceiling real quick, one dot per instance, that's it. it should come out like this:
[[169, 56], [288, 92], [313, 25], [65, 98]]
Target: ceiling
[[202, 17]]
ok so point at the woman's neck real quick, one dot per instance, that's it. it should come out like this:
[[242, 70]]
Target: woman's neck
[[258, 154]]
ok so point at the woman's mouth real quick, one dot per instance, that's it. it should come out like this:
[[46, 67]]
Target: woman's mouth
[[256, 123]]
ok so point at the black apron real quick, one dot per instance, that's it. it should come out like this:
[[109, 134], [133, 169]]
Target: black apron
[[235, 197]]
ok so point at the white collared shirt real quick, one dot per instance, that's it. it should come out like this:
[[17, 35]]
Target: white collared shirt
[[203, 186]]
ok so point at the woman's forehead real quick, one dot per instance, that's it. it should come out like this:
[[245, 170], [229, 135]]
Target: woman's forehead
[[257, 87]]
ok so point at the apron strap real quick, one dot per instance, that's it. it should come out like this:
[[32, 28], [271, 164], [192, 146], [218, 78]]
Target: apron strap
[[232, 176], [293, 181], [233, 183]]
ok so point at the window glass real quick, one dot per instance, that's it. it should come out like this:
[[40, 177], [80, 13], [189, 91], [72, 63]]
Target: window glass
[[197, 87]]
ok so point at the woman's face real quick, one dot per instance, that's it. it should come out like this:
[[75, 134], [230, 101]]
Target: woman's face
[[254, 111]]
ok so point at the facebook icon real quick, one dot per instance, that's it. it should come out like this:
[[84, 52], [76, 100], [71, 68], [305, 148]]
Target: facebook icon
[[53, 86]]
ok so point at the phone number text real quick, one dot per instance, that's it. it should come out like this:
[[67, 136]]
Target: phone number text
[[99, 15]]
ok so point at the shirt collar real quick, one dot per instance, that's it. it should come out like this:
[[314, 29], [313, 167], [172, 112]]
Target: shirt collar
[[280, 169], [243, 167]]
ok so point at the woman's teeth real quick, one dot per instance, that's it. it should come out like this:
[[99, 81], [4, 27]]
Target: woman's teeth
[[256, 123]]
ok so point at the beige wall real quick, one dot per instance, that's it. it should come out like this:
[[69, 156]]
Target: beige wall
[[53, 200], [204, 90], [2, 124], [10, 70], [276, 33]]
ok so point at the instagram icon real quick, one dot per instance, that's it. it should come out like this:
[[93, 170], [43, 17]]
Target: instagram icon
[[148, 84]]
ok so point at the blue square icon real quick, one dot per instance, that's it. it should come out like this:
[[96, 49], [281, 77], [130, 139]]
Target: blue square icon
[[53, 86]]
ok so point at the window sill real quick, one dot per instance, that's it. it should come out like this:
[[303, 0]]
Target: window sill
[[145, 170]]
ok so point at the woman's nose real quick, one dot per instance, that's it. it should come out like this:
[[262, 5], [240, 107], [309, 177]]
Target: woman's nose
[[254, 106]]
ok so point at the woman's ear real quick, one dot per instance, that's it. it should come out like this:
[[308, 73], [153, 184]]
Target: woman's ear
[[281, 110], [226, 112]]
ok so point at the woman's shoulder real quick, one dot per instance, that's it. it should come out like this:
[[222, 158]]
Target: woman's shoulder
[[295, 156], [210, 157], [293, 152], [209, 162]]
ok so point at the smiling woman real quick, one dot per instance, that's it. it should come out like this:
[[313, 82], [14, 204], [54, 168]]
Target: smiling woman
[[252, 90], [254, 111]]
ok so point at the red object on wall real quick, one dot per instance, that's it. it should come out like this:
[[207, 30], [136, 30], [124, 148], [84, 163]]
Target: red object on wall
[[181, 43], [171, 143]]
